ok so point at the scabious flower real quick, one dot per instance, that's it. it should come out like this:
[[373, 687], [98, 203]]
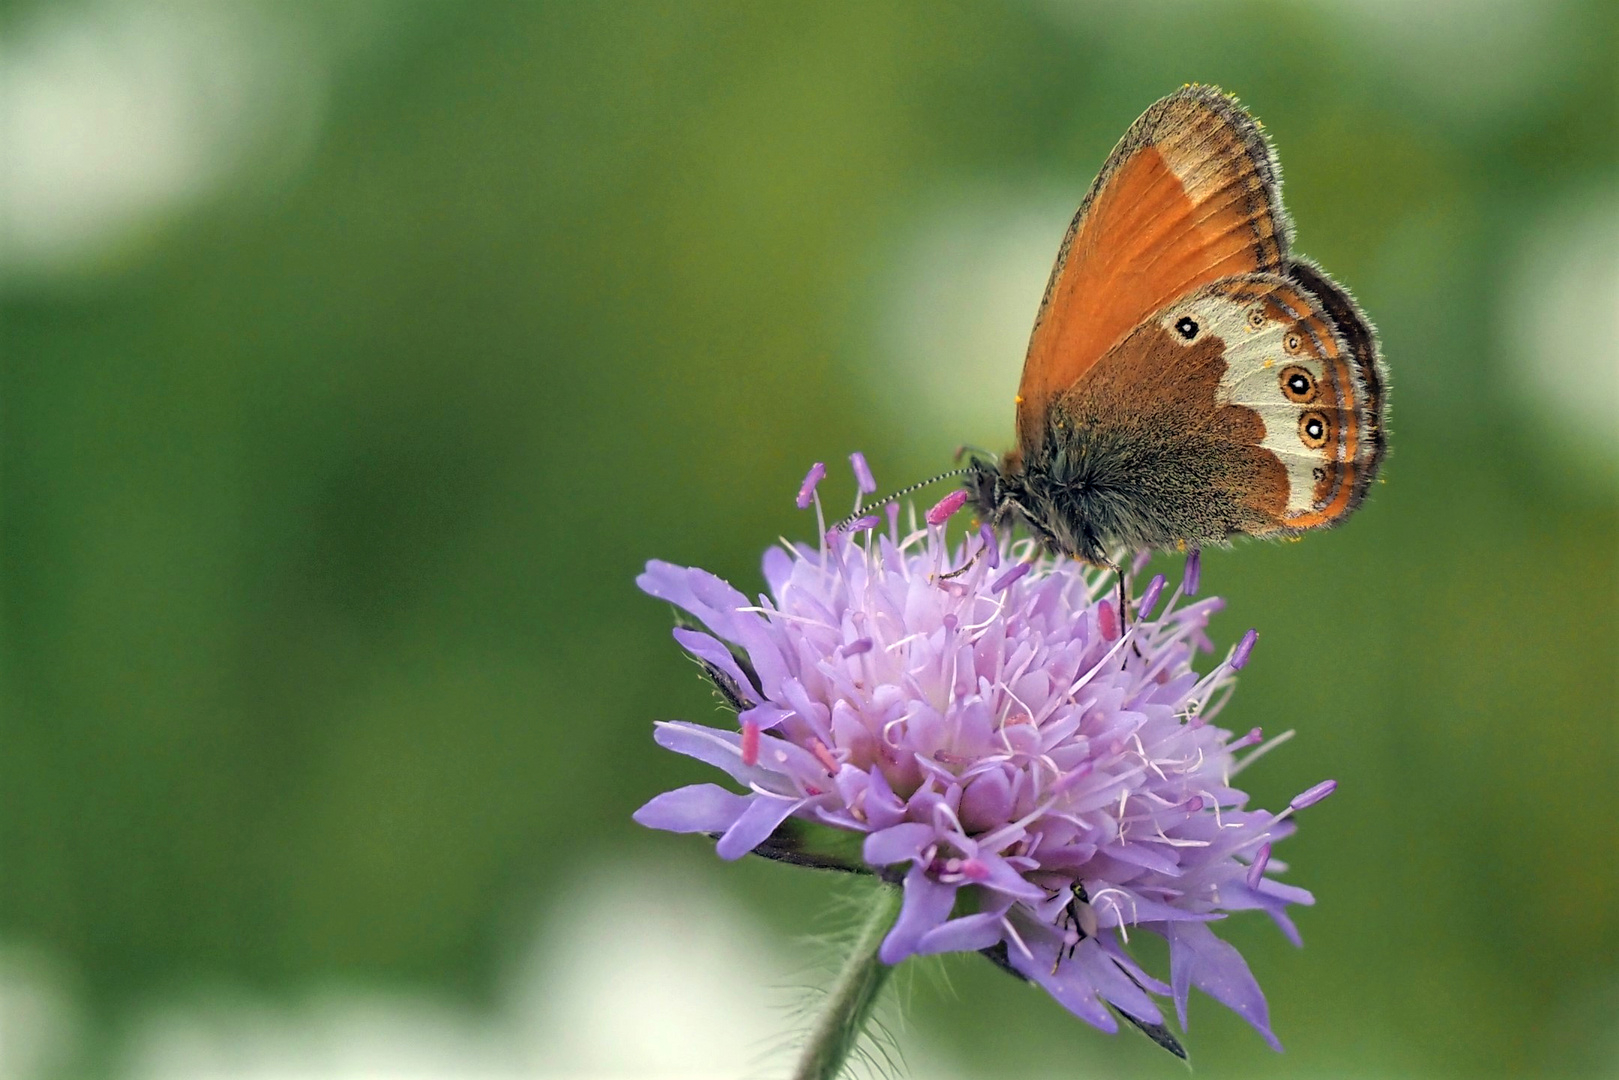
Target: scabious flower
[[1042, 774]]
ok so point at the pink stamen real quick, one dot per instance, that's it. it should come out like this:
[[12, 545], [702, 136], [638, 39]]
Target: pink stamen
[[974, 870], [1107, 621], [750, 742], [824, 756], [947, 506]]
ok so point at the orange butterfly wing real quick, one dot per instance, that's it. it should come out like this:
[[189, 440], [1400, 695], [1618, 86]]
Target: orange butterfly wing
[[1190, 194]]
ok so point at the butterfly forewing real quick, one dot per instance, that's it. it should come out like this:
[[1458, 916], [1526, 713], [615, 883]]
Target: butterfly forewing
[[1190, 195]]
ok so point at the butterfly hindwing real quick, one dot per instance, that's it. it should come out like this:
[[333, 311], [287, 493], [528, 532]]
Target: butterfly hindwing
[[1259, 398]]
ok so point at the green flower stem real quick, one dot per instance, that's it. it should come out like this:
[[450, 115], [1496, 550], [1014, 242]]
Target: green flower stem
[[850, 1001]]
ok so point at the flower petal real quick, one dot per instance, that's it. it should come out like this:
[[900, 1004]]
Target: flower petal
[[899, 843], [883, 807], [1198, 958], [1116, 986], [697, 808], [721, 749], [1068, 986], [967, 934], [708, 648], [755, 825], [927, 904], [1003, 878], [764, 717], [778, 569], [710, 598], [987, 801]]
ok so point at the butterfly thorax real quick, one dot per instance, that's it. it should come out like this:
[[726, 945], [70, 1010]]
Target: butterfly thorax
[[1100, 481]]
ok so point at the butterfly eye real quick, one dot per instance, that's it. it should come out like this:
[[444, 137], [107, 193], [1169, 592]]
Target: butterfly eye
[[1186, 328], [1292, 343], [1256, 318], [1313, 430], [1297, 384]]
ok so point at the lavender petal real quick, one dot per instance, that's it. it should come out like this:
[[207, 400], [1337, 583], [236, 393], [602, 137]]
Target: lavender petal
[[696, 808], [755, 825], [1198, 958], [927, 904]]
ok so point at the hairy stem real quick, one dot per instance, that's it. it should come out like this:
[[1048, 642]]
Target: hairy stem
[[850, 1001]]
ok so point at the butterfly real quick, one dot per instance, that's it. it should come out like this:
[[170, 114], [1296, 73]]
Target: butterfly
[[1189, 379]]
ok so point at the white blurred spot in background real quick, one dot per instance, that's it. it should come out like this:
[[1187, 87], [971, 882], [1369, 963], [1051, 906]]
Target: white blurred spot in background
[[39, 1026], [965, 284], [1560, 341], [1470, 59], [645, 972], [116, 114]]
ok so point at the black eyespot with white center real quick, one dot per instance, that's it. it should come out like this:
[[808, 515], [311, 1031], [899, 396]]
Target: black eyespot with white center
[[1298, 384], [1186, 327], [1314, 430]]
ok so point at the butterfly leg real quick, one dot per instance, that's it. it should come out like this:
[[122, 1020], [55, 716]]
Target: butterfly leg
[[1122, 591], [966, 566], [1121, 582]]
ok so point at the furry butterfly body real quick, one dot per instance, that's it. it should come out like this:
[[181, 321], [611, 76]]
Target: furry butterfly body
[[1188, 379]]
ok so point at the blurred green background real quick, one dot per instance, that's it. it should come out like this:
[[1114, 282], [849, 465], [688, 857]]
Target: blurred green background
[[357, 355]]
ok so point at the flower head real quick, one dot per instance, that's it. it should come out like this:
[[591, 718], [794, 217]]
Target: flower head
[[1041, 772]]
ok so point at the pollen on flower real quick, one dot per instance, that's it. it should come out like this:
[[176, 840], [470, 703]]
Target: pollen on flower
[[992, 744]]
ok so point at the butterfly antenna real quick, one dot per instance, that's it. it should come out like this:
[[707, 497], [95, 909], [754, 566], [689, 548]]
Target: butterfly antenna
[[896, 496]]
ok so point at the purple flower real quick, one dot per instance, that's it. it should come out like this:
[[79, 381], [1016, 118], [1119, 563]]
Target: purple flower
[[1044, 781]]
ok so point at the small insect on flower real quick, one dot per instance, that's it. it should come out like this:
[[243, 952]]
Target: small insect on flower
[[1042, 775]]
